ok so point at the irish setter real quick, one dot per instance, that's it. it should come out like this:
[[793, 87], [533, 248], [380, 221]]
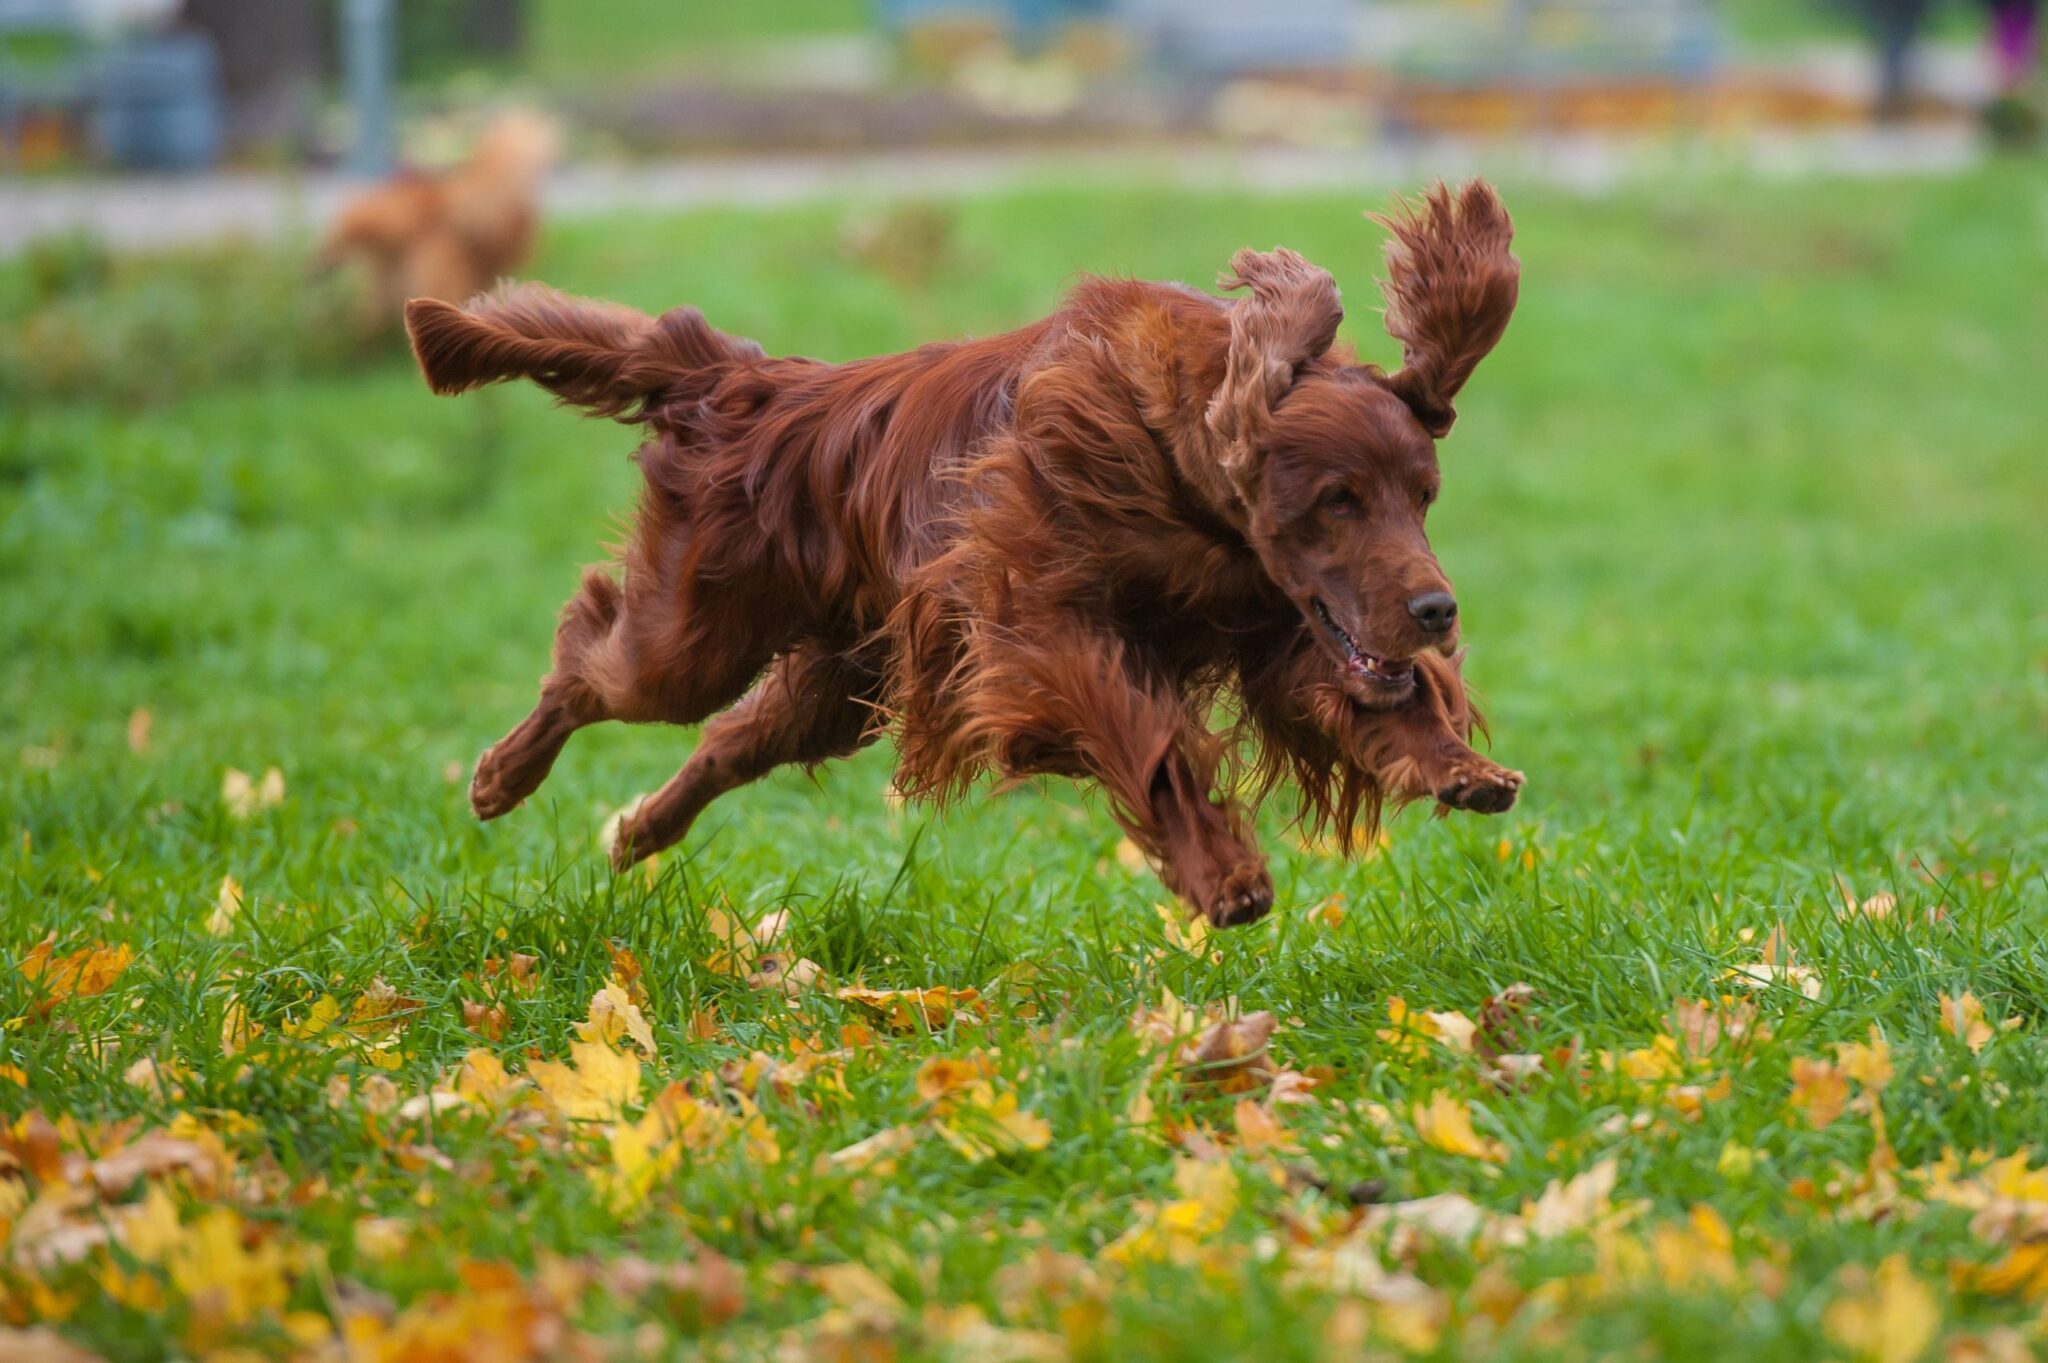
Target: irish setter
[[1051, 551]]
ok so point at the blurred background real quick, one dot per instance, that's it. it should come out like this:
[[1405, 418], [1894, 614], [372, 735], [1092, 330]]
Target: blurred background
[[281, 100]]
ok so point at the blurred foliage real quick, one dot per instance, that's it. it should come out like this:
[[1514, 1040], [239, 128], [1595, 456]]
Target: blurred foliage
[[77, 321]]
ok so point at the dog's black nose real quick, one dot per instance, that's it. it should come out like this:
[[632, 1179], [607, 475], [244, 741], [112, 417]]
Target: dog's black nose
[[1434, 611]]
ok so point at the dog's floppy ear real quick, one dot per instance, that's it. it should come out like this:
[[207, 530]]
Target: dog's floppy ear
[[1290, 318], [1451, 287]]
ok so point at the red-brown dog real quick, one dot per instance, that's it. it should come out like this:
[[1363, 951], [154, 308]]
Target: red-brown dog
[[1050, 551]]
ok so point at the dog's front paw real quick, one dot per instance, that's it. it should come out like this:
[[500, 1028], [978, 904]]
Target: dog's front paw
[[491, 794], [1481, 786], [1243, 896]]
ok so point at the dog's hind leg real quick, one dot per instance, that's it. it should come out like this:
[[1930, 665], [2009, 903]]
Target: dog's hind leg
[[814, 703], [514, 767]]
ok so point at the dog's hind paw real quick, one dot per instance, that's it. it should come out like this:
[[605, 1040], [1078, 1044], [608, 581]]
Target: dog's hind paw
[[1483, 788], [1244, 896]]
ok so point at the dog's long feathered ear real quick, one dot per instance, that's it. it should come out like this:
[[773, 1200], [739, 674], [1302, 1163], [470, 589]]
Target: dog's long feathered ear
[[1289, 319], [1451, 287]]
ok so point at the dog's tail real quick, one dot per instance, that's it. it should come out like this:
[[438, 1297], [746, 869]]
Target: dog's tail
[[610, 359]]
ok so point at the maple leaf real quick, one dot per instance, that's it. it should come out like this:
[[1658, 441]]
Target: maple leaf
[[82, 974], [1885, 1316], [614, 1017], [596, 1084], [482, 1078], [1446, 1124]]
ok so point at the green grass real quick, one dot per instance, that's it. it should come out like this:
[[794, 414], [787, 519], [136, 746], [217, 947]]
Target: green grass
[[1746, 518], [575, 42]]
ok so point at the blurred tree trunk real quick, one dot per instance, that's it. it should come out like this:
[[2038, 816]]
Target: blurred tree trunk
[[1895, 24]]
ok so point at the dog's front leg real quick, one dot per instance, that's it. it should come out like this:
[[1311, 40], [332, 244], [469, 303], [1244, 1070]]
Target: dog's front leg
[[1419, 749], [1422, 749], [1073, 701]]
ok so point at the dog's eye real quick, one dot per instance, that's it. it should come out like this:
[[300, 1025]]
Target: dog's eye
[[1340, 502]]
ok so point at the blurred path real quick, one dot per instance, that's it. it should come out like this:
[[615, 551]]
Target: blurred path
[[133, 212]]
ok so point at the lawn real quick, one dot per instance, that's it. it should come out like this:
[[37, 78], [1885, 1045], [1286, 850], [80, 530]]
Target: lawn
[[1746, 518]]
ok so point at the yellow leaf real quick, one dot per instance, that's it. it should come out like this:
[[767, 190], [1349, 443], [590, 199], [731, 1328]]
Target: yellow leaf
[[876, 1154], [1259, 1130], [245, 798], [1446, 1124], [987, 1123], [1819, 1090], [82, 974], [856, 1285], [1869, 1063], [912, 1010], [324, 1014], [1412, 1026], [1575, 1205], [944, 1077], [226, 904], [1176, 1230], [1776, 967], [613, 1017], [596, 1084], [228, 1282], [1700, 1252], [482, 1078], [1189, 934], [1962, 1017], [1886, 1316], [236, 1030]]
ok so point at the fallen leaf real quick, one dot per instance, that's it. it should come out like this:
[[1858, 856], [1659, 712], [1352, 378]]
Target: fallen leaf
[[1574, 1205], [1819, 1091], [82, 974], [1962, 1017], [615, 1017], [596, 1084], [918, 1010], [226, 904], [1885, 1316], [246, 797], [1446, 1124]]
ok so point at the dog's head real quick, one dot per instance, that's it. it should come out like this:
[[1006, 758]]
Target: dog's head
[[1333, 464]]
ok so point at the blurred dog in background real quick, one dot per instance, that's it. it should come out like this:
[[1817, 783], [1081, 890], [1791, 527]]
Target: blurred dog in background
[[449, 234]]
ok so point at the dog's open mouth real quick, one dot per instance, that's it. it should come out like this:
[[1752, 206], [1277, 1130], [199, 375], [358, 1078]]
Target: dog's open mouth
[[1363, 665]]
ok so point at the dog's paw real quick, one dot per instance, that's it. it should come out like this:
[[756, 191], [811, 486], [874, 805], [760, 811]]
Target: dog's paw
[[1481, 786], [1243, 896], [490, 795]]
